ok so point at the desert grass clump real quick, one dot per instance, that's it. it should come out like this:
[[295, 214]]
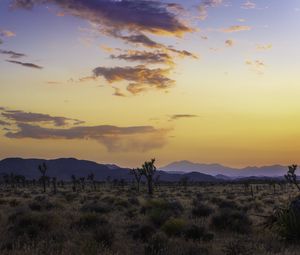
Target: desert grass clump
[[159, 211], [89, 221], [231, 220], [104, 235], [157, 245], [201, 210], [174, 227], [96, 207], [197, 233], [141, 232]]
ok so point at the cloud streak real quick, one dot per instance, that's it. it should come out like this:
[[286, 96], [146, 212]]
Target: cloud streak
[[30, 65], [140, 77], [12, 54], [29, 117], [182, 116], [144, 15], [115, 139]]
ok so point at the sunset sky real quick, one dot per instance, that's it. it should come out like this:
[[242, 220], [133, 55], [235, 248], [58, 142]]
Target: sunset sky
[[114, 81]]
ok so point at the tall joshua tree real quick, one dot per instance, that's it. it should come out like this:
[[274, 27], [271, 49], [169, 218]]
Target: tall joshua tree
[[148, 170], [43, 169], [54, 184], [137, 173], [91, 178], [291, 177]]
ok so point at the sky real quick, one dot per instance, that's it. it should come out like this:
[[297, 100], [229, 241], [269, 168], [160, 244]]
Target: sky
[[123, 81]]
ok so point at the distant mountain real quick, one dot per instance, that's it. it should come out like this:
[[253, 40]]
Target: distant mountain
[[217, 170], [64, 168]]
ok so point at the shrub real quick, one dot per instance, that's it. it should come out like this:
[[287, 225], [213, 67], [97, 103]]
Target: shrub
[[286, 222], [31, 224], [159, 211], [197, 233], [96, 207], [157, 245], [90, 221], [104, 235], [141, 232], [174, 227], [201, 210], [232, 220]]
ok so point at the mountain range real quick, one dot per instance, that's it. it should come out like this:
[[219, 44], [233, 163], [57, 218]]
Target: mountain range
[[224, 172], [64, 168]]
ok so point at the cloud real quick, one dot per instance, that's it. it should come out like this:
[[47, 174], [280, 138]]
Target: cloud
[[141, 39], [29, 117], [12, 54], [144, 15], [229, 43], [257, 66], [118, 93], [7, 33], [115, 139], [31, 65], [264, 47], [140, 77], [248, 5], [203, 7], [156, 57], [236, 28], [182, 116], [4, 123]]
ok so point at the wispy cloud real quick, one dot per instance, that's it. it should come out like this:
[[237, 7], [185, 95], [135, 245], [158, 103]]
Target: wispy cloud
[[236, 28], [12, 54], [182, 116], [155, 57], [115, 139], [30, 117], [261, 47], [249, 5], [144, 15], [140, 77], [31, 65], [229, 43], [257, 66], [203, 7], [6, 33]]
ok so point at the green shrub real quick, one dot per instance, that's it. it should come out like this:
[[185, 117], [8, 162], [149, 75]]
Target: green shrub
[[159, 211], [231, 220], [174, 227]]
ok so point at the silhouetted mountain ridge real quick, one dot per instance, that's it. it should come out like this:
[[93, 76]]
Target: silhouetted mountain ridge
[[217, 169], [64, 168]]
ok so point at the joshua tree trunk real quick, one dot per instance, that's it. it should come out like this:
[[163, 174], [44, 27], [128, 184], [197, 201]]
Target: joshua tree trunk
[[150, 186]]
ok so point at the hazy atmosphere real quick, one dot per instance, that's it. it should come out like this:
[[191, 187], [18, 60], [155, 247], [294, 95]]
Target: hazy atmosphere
[[120, 81]]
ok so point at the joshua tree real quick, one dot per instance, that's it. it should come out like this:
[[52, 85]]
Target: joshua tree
[[74, 181], [53, 180], [82, 182], [291, 177], [148, 170], [91, 178], [138, 173], [43, 169]]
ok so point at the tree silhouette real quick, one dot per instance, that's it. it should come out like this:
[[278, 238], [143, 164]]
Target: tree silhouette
[[291, 177], [137, 173], [43, 169], [148, 170]]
